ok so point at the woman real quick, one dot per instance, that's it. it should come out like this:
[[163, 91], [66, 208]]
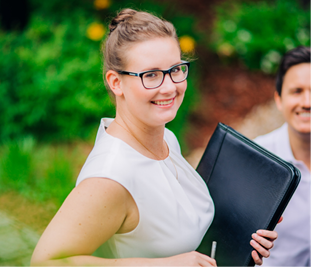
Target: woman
[[137, 199]]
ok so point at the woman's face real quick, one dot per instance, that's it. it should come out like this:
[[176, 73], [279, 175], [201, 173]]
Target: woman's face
[[153, 107]]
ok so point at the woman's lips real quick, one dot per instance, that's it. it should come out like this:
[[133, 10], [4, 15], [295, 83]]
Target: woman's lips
[[163, 102]]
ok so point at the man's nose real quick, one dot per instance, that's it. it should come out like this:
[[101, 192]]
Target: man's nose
[[306, 99]]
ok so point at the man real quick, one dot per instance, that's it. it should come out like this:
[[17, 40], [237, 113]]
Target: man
[[292, 143]]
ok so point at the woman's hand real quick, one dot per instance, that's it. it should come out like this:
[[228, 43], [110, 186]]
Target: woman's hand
[[191, 259], [262, 242]]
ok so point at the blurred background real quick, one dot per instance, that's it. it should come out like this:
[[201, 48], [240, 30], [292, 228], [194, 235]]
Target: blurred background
[[52, 94]]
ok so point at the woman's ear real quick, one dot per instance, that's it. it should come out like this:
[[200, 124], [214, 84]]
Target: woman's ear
[[114, 82]]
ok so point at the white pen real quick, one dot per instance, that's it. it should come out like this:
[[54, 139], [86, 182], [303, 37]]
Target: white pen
[[213, 251]]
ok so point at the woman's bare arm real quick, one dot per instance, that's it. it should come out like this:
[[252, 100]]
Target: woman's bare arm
[[94, 211]]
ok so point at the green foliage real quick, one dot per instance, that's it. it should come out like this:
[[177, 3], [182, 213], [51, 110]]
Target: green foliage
[[260, 32], [51, 84]]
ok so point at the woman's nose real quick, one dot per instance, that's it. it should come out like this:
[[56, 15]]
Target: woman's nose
[[168, 86]]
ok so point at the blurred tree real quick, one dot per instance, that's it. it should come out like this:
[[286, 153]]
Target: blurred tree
[[51, 84], [257, 33]]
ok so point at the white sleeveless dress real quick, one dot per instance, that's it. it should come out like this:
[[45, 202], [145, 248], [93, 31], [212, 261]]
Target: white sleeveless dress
[[173, 214]]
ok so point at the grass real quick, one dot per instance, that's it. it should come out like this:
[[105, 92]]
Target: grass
[[36, 215], [40, 173]]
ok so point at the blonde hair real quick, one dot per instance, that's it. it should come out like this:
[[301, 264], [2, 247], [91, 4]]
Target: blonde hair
[[130, 27]]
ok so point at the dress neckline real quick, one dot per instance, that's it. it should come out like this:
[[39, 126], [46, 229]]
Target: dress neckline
[[106, 124]]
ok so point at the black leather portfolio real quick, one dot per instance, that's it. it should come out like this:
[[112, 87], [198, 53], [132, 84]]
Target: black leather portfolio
[[250, 187]]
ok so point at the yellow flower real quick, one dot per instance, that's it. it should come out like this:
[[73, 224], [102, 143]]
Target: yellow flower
[[95, 31], [102, 4], [187, 44], [225, 49]]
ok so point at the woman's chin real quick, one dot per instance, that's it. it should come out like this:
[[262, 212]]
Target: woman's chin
[[167, 119]]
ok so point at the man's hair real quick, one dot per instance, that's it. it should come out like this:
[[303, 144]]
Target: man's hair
[[298, 55]]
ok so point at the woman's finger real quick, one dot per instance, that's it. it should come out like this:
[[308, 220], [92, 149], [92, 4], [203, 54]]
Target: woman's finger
[[207, 261], [266, 243], [260, 249], [272, 235], [257, 259]]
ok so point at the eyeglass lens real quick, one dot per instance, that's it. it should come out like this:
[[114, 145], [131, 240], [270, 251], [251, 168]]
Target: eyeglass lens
[[153, 79]]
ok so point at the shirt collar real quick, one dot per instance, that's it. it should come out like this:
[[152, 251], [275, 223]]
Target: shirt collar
[[283, 144]]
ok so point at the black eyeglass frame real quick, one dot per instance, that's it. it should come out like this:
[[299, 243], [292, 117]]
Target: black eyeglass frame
[[168, 71]]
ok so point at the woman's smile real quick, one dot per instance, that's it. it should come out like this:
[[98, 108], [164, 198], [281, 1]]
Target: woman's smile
[[157, 106], [164, 103]]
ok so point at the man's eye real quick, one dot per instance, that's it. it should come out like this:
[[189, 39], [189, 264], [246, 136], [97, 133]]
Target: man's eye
[[297, 90]]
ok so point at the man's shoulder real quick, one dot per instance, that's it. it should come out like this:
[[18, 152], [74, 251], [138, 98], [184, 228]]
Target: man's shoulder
[[270, 140]]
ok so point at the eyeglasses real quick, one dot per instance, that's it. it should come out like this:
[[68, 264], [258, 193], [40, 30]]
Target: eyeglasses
[[152, 79]]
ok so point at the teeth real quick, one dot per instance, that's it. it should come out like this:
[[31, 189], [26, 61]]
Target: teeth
[[163, 102], [304, 114]]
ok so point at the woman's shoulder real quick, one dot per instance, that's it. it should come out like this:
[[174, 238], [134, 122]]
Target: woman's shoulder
[[112, 158]]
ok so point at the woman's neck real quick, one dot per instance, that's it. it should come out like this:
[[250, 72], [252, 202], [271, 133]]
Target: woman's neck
[[144, 138]]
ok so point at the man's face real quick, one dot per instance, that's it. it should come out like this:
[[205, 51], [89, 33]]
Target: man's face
[[294, 102]]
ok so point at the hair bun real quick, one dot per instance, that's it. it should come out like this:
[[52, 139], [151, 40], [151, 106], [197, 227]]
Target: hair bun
[[124, 15]]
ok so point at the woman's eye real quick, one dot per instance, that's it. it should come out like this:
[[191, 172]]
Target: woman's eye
[[175, 69], [151, 75]]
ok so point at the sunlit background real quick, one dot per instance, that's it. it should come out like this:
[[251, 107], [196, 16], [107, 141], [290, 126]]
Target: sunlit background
[[52, 94]]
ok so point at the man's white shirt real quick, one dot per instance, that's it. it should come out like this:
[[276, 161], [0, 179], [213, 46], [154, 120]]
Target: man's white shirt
[[292, 248]]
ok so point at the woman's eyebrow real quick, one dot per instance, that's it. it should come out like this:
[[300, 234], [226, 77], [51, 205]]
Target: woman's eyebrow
[[151, 69]]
